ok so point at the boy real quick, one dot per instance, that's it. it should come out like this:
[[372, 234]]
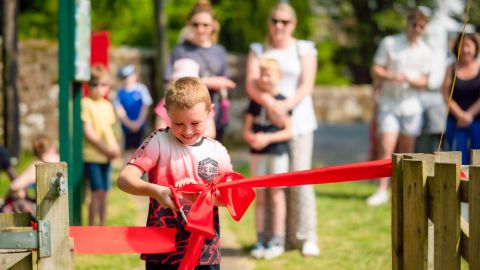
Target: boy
[[132, 104], [180, 153], [269, 154], [100, 144]]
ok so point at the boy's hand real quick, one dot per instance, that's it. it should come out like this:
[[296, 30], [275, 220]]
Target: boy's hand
[[164, 196], [187, 181], [184, 182], [260, 141]]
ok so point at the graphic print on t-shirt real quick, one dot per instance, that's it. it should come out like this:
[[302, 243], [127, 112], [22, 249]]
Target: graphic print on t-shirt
[[207, 169]]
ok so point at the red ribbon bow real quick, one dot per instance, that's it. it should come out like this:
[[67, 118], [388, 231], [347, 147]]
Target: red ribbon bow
[[200, 218]]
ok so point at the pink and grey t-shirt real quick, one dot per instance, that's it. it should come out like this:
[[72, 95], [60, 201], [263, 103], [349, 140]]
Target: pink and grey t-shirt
[[167, 160]]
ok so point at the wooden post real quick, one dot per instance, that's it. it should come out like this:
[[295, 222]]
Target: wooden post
[[446, 216], [474, 216], [54, 210], [415, 218], [397, 213], [475, 157], [11, 260]]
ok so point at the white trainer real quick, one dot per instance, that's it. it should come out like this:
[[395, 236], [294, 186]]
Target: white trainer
[[310, 249], [273, 251], [378, 198], [258, 251]]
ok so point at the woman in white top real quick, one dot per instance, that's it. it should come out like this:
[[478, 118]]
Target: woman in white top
[[297, 59]]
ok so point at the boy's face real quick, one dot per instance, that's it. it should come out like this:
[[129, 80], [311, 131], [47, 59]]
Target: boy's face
[[189, 125], [98, 89], [268, 80]]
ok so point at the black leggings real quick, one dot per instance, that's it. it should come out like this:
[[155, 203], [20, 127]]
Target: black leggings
[[158, 266]]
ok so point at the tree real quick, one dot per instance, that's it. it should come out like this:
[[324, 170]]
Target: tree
[[11, 115]]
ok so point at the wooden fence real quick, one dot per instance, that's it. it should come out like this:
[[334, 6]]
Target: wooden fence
[[49, 247], [428, 230]]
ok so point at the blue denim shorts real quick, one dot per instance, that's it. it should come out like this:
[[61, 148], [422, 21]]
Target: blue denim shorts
[[99, 175]]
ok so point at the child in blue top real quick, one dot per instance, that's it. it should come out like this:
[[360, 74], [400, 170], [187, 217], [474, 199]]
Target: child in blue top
[[269, 154], [132, 104]]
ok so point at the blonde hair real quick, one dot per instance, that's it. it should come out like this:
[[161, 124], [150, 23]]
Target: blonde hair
[[418, 14], [268, 63], [203, 6], [187, 92], [283, 7], [98, 72], [41, 144]]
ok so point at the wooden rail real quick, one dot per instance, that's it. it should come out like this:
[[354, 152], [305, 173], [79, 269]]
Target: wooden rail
[[428, 231], [52, 210]]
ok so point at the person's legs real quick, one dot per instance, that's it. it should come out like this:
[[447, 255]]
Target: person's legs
[[388, 130], [302, 208], [475, 134], [461, 144], [94, 208], [106, 174], [99, 183], [258, 167]]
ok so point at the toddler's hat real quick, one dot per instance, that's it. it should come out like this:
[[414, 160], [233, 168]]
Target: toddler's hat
[[185, 67], [126, 71]]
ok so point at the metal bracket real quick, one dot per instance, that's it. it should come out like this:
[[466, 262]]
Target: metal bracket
[[58, 186], [44, 237], [18, 240], [29, 239]]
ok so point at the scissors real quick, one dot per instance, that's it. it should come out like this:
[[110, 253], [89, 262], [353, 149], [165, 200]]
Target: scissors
[[176, 201]]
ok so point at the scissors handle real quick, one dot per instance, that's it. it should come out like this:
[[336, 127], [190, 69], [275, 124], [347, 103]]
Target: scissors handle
[[176, 201]]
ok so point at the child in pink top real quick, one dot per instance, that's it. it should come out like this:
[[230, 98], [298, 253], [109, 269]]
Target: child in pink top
[[184, 67], [177, 155]]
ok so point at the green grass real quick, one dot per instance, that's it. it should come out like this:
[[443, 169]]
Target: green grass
[[351, 235], [122, 211]]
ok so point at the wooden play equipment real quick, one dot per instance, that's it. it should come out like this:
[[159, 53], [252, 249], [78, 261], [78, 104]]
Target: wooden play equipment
[[428, 230], [49, 247]]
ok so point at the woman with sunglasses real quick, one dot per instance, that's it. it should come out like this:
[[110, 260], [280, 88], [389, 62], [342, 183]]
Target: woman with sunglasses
[[200, 44], [298, 63], [463, 123]]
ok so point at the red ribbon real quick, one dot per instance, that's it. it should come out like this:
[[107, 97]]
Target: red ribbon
[[237, 194], [122, 240], [230, 189]]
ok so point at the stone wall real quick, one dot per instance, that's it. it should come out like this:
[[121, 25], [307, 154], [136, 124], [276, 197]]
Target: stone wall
[[38, 90]]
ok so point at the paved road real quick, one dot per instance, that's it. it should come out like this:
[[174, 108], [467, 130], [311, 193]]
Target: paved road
[[341, 143]]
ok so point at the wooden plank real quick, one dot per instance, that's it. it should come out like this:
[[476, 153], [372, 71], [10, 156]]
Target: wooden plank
[[8, 260], [464, 249], [415, 220], [14, 220], [446, 216], [22, 221], [474, 217], [54, 210], [397, 213], [475, 157], [449, 157]]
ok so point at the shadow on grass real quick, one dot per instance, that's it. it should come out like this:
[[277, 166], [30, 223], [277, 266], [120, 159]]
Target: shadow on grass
[[342, 196], [233, 252]]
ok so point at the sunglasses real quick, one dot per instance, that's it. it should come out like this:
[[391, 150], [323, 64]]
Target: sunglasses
[[95, 84], [415, 25], [283, 22], [196, 24]]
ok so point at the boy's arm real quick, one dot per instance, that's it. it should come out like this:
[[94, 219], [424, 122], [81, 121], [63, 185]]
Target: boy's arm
[[129, 181], [282, 135], [247, 128], [93, 138], [25, 179]]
